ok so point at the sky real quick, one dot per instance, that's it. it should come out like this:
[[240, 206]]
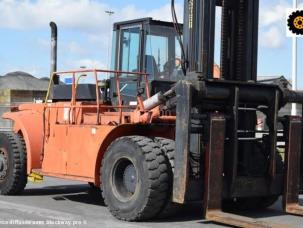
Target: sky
[[85, 31]]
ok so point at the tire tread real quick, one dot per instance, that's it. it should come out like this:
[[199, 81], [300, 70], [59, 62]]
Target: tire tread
[[19, 178], [157, 179], [168, 148]]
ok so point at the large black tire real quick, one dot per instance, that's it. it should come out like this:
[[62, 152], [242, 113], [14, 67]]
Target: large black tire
[[254, 203], [13, 173], [168, 148], [134, 177]]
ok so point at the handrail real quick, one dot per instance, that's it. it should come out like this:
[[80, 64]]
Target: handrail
[[95, 74], [100, 71]]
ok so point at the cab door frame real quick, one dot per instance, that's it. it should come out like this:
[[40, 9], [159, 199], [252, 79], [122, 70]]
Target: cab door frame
[[119, 45], [142, 35]]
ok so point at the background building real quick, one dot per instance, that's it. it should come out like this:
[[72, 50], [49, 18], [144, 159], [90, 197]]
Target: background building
[[19, 87]]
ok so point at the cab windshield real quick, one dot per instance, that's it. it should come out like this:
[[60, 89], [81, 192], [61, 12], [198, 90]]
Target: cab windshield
[[162, 54]]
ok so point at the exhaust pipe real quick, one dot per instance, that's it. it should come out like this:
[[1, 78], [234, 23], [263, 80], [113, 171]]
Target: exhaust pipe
[[54, 37]]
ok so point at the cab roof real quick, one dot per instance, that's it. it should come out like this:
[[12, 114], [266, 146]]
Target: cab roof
[[146, 20]]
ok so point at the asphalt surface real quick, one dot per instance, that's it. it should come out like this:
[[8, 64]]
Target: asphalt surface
[[61, 203]]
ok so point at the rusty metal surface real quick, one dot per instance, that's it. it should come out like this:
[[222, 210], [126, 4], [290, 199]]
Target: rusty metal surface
[[238, 221], [273, 128], [183, 124], [214, 161], [293, 166], [213, 192]]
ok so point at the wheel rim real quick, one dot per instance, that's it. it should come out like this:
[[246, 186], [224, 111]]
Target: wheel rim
[[3, 163], [125, 179]]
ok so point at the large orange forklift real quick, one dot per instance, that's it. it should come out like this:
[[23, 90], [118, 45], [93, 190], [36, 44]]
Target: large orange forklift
[[162, 131]]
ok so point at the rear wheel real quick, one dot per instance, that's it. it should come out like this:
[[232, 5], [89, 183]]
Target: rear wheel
[[134, 176], [13, 173]]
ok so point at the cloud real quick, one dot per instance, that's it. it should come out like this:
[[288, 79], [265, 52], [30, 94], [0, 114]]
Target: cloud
[[87, 63], [86, 18], [272, 37], [272, 24], [89, 17], [25, 14], [75, 48], [84, 15], [272, 15]]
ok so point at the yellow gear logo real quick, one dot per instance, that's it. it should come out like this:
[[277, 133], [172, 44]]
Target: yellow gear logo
[[298, 22], [295, 22]]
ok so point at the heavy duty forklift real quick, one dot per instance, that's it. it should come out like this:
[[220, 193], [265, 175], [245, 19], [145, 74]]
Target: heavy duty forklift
[[162, 132]]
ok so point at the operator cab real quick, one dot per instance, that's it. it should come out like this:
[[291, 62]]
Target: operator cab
[[145, 45]]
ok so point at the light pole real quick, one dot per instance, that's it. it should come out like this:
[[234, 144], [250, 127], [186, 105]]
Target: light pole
[[294, 66], [109, 13]]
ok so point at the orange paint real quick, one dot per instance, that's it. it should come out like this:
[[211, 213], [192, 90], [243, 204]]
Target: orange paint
[[68, 139]]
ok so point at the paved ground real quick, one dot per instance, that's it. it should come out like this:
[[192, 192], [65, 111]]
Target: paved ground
[[57, 201]]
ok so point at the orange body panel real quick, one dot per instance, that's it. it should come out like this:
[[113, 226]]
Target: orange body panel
[[74, 143], [29, 123], [68, 139], [73, 150]]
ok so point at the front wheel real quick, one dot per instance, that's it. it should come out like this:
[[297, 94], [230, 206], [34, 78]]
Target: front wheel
[[134, 177], [13, 174]]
